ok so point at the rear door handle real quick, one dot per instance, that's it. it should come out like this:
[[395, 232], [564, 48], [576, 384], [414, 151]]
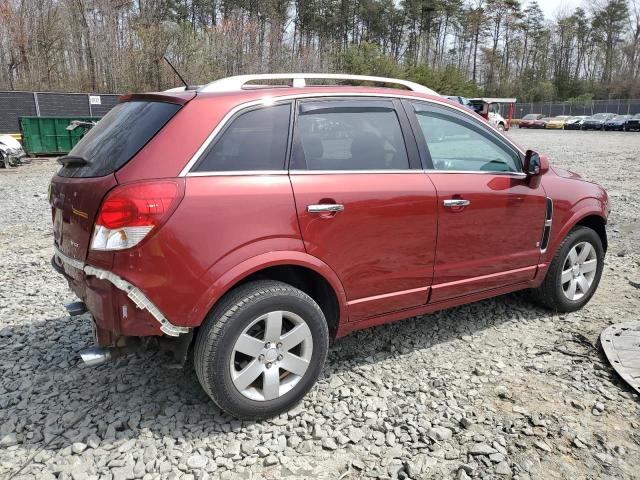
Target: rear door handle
[[456, 202], [325, 208]]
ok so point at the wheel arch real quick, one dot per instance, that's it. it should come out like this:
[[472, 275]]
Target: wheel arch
[[298, 269], [596, 223], [587, 217]]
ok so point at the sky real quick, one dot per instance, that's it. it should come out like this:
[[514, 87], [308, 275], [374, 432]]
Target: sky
[[550, 7]]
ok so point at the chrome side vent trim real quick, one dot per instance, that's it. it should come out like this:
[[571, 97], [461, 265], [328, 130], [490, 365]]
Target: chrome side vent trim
[[546, 232]]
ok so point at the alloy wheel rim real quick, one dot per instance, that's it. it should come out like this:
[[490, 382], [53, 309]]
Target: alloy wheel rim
[[579, 271], [271, 355]]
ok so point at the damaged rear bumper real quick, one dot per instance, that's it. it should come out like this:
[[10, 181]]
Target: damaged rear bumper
[[140, 300]]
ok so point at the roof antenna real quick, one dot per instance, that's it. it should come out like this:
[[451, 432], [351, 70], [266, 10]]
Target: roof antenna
[[186, 86]]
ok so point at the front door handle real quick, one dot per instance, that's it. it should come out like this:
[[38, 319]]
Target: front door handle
[[456, 202], [325, 208]]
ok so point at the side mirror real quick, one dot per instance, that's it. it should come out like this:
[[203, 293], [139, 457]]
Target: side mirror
[[535, 164]]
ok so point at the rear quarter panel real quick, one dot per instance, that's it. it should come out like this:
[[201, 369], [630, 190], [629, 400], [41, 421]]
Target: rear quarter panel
[[221, 222]]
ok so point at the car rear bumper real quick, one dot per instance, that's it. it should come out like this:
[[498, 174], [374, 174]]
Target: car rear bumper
[[118, 307]]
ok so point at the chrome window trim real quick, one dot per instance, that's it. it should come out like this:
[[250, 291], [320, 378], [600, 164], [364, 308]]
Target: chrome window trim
[[477, 172], [269, 100], [414, 170], [353, 172], [236, 173]]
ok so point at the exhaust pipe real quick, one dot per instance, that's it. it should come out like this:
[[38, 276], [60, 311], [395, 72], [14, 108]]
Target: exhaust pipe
[[96, 355]]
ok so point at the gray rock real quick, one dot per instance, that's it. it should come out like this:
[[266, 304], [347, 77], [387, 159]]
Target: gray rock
[[233, 449], [542, 445], [503, 392], [462, 475], [9, 440], [440, 433], [481, 449], [329, 443], [503, 469], [262, 451], [78, 447], [270, 460], [197, 461], [123, 473], [355, 434]]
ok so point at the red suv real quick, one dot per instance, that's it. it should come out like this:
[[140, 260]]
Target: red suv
[[257, 223]]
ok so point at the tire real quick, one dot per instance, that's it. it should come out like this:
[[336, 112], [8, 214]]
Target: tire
[[501, 127], [551, 293], [235, 315]]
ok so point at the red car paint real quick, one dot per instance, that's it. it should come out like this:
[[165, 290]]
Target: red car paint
[[532, 123], [395, 251]]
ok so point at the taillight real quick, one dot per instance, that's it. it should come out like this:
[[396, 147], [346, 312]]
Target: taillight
[[129, 212]]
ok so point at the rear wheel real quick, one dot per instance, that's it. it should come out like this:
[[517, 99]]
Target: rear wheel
[[261, 349], [574, 273]]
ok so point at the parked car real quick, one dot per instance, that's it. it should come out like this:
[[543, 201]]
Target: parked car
[[464, 101], [558, 122], [575, 122], [11, 152], [532, 120], [616, 123], [285, 218], [597, 121], [633, 124]]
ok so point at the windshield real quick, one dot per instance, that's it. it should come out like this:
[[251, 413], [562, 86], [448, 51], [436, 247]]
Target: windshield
[[600, 116], [531, 116], [118, 136]]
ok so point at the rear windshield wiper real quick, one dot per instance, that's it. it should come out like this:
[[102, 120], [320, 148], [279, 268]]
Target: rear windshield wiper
[[73, 161]]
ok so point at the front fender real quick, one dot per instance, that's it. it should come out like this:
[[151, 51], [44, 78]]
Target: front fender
[[233, 276], [584, 208]]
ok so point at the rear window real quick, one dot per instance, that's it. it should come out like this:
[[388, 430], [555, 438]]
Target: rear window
[[255, 140], [118, 136]]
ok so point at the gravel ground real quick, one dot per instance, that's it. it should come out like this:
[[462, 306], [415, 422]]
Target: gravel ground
[[497, 389]]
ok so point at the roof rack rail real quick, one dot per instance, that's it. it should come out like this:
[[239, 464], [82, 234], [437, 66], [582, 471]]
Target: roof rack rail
[[233, 84]]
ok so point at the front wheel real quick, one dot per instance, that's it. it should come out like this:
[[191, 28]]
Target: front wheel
[[574, 273], [261, 349]]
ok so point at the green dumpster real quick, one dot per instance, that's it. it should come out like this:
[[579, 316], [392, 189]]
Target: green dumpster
[[49, 135]]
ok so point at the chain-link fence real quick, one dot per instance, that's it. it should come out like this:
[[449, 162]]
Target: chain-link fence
[[551, 109], [14, 105]]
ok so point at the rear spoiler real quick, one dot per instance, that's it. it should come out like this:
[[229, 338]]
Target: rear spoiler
[[179, 98]]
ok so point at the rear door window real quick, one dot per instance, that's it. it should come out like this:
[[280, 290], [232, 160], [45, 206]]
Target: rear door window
[[349, 135], [118, 136], [255, 140]]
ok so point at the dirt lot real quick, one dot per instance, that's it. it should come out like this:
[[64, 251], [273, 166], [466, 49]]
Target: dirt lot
[[497, 389]]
